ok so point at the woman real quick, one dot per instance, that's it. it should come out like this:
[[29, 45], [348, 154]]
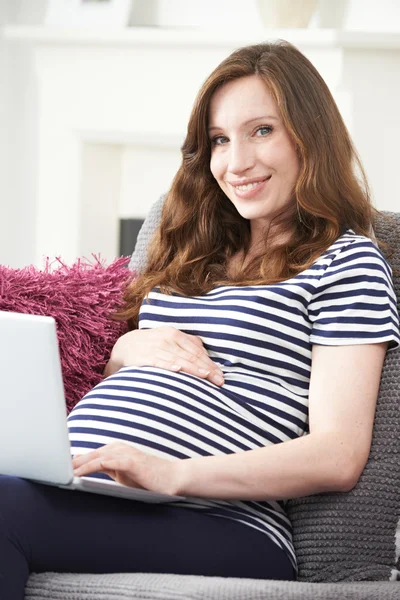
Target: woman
[[265, 312]]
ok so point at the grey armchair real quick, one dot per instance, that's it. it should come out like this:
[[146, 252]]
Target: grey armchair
[[345, 543]]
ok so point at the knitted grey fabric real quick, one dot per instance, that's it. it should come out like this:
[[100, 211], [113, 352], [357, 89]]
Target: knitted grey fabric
[[139, 257], [152, 586], [338, 537], [351, 537]]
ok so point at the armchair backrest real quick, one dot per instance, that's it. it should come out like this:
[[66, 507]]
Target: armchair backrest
[[349, 536]]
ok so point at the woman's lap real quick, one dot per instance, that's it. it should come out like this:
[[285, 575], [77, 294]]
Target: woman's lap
[[66, 531]]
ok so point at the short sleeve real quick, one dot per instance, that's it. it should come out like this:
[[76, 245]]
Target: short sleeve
[[355, 302]]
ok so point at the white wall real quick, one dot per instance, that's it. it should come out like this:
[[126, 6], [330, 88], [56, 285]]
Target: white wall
[[382, 15], [18, 105], [210, 14], [359, 15], [6, 247], [18, 140]]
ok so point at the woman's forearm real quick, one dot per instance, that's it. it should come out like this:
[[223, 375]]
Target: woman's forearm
[[306, 465]]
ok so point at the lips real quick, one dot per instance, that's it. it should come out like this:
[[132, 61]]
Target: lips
[[250, 188], [249, 182]]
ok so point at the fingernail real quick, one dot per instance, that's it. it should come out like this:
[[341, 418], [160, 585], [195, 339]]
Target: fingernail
[[204, 372], [218, 379]]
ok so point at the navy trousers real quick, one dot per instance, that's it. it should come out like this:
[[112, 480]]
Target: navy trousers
[[44, 528]]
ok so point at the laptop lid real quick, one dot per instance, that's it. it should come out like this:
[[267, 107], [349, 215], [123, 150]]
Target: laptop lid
[[33, 431]]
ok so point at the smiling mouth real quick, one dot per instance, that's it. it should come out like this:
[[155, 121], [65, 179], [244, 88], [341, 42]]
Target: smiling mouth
[[245, 187]]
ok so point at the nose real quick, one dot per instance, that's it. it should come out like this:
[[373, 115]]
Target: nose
[[241, 157]]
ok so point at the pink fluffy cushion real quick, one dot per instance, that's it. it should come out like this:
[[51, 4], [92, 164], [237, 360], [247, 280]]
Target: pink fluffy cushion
[[81, 298]]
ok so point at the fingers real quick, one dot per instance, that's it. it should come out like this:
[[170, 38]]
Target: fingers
[[191, 351], [176, 360], [192, 344], [168, 348], [115, 464], [94, 461], [119, 475], [128, 466], [91, 466], [196, 356]]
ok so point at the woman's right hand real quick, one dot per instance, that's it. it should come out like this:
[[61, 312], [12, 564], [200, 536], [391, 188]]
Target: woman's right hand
[[165, 348]]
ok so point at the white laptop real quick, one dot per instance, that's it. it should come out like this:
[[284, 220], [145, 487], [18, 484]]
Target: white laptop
[[34, 441]]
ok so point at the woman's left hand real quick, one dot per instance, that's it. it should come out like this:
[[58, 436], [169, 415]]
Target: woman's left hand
[[130, 466]]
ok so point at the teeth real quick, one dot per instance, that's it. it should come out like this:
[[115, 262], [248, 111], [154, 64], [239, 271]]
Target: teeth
[[249, 186]]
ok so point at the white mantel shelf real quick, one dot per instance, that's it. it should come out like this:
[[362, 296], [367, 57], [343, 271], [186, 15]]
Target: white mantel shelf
[[132, 36]]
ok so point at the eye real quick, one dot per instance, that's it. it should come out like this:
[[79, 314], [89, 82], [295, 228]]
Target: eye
[[218, 140], [263, 130]]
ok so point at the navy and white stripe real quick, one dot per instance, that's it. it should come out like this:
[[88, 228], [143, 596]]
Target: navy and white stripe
[[262, 337]]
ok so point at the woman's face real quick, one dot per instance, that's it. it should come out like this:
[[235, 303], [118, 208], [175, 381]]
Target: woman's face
[[253, 159]]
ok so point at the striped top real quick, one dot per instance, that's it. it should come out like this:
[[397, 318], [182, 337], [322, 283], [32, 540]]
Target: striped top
[[262, 337]]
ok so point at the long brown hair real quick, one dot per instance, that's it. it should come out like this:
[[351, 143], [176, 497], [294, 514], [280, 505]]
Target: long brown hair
[[200, 228]]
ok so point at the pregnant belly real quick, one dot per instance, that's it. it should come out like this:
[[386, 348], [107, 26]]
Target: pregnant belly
[[168, 414]]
